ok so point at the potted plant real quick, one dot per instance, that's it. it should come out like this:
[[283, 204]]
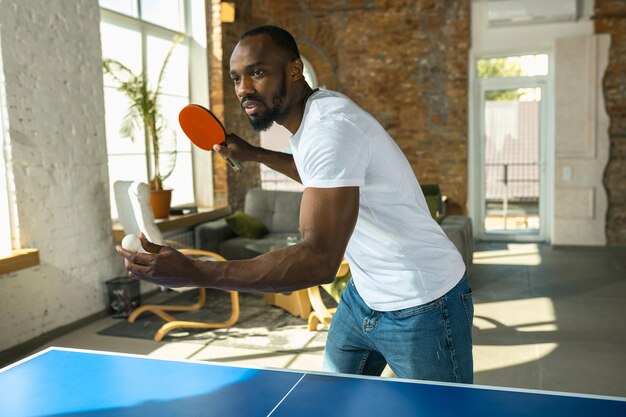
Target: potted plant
[[144, 117]]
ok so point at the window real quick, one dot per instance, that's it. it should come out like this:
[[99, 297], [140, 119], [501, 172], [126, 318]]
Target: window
[[139, 34], [276, 138], [511, 122], [5, 219], [513, 66], [12, 256]]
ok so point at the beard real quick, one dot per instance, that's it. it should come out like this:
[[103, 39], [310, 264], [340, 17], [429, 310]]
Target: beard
[[264, 120]]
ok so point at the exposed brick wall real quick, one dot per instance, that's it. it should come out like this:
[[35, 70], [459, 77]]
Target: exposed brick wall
[[610, 17], [54, 111], [403, 61]]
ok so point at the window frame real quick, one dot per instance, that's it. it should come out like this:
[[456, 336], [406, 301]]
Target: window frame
[[477, 87], [8, 241], [195, 40], [12, 257]]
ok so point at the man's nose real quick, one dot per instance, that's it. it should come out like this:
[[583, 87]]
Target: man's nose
[[245, 88]]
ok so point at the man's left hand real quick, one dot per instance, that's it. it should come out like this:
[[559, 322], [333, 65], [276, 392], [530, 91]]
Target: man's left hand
[[162, 265]]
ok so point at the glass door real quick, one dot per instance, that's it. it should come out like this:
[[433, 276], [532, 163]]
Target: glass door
[[509, 148], [512, 164], [511, 143]]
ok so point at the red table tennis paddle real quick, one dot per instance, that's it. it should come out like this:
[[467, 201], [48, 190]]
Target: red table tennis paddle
[[204, 129]]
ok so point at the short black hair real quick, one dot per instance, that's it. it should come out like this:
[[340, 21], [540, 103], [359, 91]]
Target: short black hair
[[283, 39]]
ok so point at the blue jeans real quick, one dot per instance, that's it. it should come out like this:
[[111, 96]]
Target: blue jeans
[[432, 341]]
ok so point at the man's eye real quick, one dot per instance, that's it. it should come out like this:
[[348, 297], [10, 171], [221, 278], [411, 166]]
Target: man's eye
[[256, 73], [235, 80]]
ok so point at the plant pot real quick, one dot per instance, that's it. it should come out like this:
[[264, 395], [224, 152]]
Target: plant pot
[[160, 201]]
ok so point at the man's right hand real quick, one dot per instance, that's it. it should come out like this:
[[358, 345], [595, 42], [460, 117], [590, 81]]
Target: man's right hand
[[237, 149]]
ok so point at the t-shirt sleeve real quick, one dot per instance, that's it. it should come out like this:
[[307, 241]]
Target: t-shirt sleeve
[[335, 154]]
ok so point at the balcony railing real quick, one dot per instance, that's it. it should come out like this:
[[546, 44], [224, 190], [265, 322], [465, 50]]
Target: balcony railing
[[512, 182]]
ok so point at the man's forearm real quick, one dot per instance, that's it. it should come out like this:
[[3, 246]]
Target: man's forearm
[[327, 218], [279, 161], [288, 269]]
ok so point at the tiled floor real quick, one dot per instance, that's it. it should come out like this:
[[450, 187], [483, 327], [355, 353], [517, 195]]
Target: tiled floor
[[545, 318], [550, 318]]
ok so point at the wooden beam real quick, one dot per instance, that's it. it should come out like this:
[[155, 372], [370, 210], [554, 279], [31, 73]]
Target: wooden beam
[[19, 259]]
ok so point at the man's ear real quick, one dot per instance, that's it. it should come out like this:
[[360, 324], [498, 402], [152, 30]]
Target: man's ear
[[297, 69]]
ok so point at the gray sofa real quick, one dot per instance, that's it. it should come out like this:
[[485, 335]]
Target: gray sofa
[[280, 211], [459, 231]]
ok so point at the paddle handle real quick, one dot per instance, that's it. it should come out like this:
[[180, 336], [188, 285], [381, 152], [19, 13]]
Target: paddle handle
[[236, 166]]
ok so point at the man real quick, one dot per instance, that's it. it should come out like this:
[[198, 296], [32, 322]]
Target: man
[[408, 303]]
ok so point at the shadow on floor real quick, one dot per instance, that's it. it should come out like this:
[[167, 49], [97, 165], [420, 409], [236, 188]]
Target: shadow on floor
[[550, 318]]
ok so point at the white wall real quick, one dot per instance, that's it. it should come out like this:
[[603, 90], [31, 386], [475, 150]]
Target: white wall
[[530, 37], [54, 99], [581, 141], [537, 38]]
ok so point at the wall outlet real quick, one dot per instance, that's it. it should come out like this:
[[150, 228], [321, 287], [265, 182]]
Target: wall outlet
[[567, 173]]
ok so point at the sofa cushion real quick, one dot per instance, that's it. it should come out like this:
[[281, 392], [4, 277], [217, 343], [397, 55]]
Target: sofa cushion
[[209, 235], [245, 225], [278, 210]]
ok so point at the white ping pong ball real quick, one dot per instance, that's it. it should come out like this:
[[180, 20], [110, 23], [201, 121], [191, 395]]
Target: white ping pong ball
[[132, 243]]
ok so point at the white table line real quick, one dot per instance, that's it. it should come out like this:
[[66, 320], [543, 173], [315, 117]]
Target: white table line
[[286, 395]]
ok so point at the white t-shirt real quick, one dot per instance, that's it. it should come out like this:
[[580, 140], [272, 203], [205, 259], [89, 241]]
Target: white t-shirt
[[398, 255]]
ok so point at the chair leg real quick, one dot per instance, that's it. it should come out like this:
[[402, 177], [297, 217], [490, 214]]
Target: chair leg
[[320, 313], [153, 308], [173, 323], [177, 324], [313, 321], [296, 303]]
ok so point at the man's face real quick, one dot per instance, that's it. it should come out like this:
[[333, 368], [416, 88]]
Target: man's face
[[258, 71]]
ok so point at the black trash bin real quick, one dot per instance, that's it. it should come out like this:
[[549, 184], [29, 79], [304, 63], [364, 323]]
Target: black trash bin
[[124, 296]]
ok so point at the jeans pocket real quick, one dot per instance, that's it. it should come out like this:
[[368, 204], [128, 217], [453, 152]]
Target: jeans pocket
[[412, 311], [468, 305]]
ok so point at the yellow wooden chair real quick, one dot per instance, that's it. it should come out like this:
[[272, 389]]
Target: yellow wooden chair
[[135, 214], [161, 310]]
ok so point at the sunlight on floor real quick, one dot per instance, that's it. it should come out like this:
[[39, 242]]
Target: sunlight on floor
[[513, 325], [509, 321], [176, 351], [489, 358], [515, 254], [515, 315]]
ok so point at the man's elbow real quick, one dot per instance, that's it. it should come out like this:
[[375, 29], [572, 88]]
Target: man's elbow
[[323, 263], [327, 279], [328, 272]]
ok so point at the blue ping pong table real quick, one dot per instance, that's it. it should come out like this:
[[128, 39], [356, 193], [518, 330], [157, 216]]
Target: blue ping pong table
[[69, 382]]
